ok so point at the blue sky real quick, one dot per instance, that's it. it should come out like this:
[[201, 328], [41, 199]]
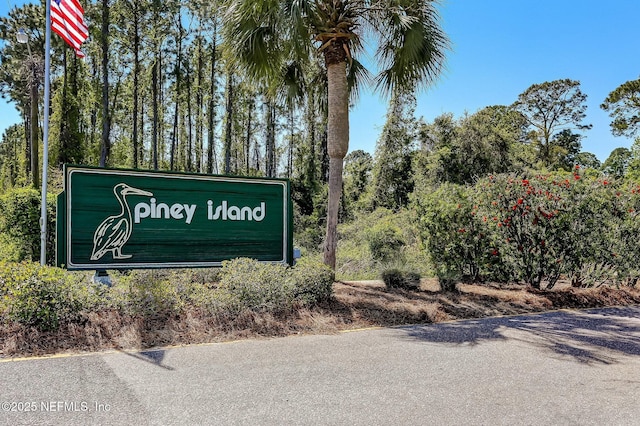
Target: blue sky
[[499, 49]]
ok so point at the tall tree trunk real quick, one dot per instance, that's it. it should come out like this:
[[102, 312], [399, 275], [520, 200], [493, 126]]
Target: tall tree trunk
[[93, 114], [27, 140], [136, 72], [71, 141], [311, 128], [174, 137], [178, 87], [33, 86], [270, 146], [229, 124], [211, 157], [247, 147], [337, 146], [154, 101], [106, 125], [63, 143], [199, 107], [155, 88], [256, 157], [189, 159], [142, 133], [290, 153]]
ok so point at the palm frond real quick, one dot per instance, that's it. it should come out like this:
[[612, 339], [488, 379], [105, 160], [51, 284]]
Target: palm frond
[[411, 44], [252, 33], [293, 83], [357, 77]]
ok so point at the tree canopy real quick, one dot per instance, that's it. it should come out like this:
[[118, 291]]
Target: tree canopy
[[623, 105]]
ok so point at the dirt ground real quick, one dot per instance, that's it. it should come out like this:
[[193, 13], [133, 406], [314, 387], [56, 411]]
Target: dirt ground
[[355, 305]]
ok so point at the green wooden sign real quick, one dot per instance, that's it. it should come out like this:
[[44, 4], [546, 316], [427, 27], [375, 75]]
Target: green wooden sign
[[121, 219]]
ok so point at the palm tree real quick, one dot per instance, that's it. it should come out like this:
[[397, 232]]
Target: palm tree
[[269, 34]]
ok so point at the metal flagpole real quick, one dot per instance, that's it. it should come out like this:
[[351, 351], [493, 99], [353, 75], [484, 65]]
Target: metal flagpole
[[45, 137]]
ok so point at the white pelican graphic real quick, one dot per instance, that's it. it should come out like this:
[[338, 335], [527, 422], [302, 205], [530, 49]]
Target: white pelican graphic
[[114, 232]]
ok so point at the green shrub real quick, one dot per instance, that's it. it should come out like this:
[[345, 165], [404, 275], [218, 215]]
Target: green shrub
[[380, 240], [533, 229], [385, 242], [395, 278], [531, 217], [553, 224], [20, 223], [456, 239], [312, 281], [248, 284], [41, 296], [254, 285], [147, 292]]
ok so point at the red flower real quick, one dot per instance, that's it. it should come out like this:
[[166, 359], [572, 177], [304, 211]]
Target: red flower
[[520, 201]]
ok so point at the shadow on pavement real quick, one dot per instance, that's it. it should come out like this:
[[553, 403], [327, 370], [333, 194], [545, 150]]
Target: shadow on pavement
[[154, 357], [595, 336]]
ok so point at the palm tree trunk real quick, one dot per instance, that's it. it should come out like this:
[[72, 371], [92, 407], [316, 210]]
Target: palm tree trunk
[[337, 145]]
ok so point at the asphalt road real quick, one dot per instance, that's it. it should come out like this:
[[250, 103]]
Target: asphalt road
[[564, 368]]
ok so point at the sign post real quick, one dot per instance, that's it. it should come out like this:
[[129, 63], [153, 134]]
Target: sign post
[[121, 219]]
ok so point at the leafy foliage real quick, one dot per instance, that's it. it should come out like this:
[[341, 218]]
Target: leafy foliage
[[385, 241], [456, 241], [273, 287], [623, 105], [552, 107], [42, 297], [46, 297], [395, 278], [19, 224], [533, 228], [393, 174]]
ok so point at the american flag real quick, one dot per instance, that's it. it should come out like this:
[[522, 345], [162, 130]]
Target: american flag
[[68, 22]]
